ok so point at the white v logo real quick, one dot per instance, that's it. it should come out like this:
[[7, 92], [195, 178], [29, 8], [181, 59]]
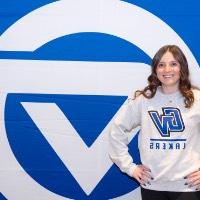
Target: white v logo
[[69, 146]]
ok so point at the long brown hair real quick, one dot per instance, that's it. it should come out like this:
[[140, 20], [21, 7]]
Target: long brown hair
[[184, 85]]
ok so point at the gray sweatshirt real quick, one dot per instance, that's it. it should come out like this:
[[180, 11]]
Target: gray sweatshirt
[[168, 142]]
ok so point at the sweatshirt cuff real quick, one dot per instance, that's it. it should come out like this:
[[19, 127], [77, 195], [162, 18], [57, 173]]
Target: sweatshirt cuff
[[131, 169]]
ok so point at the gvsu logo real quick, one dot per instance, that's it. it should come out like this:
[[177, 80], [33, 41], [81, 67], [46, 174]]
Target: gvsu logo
[[57, 111], [169, 121]]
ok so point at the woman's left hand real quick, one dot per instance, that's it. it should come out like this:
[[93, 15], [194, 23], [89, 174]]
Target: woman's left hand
[[193, 179]]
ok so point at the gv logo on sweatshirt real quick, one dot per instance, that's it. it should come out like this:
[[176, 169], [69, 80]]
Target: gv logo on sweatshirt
[[170, 121]]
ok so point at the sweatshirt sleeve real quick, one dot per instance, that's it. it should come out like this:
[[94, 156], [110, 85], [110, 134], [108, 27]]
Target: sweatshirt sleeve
[[127, 119]]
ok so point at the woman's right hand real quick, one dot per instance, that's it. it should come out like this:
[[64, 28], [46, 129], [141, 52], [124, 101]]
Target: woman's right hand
[[142, 174]]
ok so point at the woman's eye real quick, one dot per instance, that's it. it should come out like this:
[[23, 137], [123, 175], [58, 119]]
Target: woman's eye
[[174, 64], [160, 65]]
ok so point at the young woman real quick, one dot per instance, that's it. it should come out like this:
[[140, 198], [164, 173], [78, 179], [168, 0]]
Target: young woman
[[168, 111]]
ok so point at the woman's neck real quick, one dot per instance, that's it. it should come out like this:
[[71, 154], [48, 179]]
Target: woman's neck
[[169, 90]]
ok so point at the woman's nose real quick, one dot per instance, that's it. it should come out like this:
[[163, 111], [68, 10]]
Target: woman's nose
[[168, 68]]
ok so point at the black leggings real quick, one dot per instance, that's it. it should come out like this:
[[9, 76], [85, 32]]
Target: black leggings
[[164, 195]]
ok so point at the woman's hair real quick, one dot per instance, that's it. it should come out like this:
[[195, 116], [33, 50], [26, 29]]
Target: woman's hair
[[184, 84]]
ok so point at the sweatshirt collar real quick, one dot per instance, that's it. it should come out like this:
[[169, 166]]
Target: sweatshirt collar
[[170, 95]]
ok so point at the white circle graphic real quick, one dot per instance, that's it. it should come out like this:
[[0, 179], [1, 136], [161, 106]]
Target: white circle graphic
[[61, 18]]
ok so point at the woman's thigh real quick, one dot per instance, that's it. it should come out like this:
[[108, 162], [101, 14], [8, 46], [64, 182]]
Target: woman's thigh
[[184, 195], [164, 195], [153, 195]]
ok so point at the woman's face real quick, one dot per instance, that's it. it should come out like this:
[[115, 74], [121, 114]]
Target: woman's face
[[168, 72]]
